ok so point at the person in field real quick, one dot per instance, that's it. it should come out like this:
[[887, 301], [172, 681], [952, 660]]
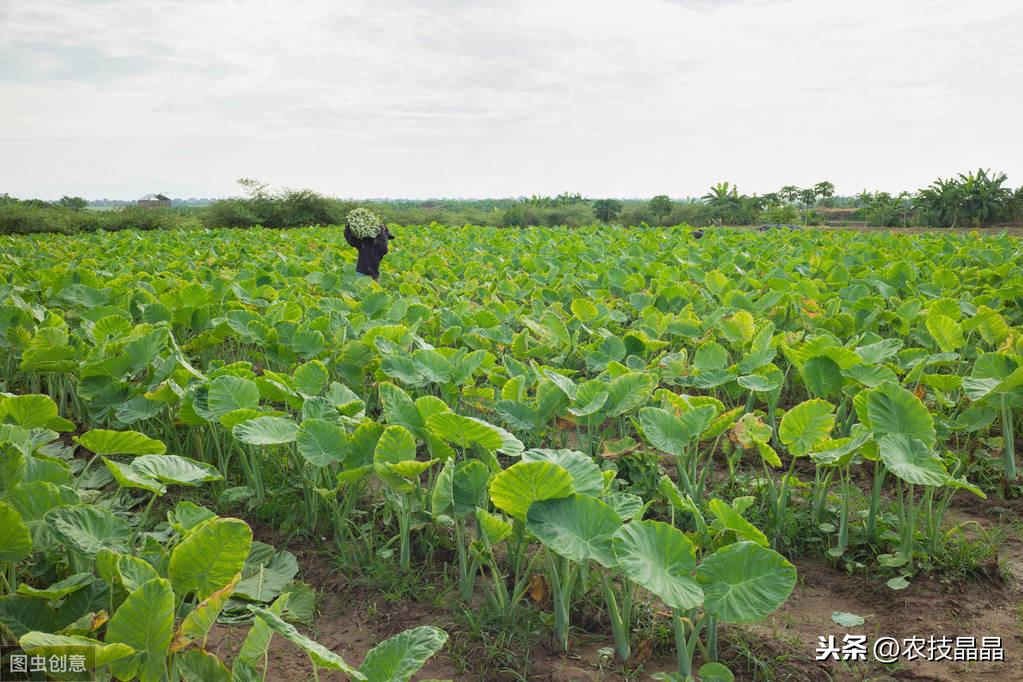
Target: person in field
[[367, 233]]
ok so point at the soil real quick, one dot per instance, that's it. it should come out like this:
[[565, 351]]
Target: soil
[[352, 619]]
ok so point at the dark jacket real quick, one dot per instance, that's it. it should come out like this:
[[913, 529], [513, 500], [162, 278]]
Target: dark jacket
[[371, 251]]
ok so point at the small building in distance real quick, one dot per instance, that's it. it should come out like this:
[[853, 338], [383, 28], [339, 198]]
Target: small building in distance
[[154, 201]]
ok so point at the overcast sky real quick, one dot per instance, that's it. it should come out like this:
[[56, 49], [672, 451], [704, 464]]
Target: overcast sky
[[428, 98]]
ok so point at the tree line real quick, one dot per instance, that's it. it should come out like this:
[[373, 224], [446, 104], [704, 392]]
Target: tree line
[[974, 199]]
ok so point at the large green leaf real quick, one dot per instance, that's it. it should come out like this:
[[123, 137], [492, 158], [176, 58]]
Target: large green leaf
[[744, 582], [586, 475], [59, 589], [733, 521], [319, 654], [196, 665], [96, 653], [210, 556], [520, 485], [145, 622], [175, 470], [578, 528], [20, 615], [266, 431], [105, 442], [399, 658], [659, 558], [946, 332], [321, 442], [88, 529], [200, 620], [892, 409], [33, 412], [822, 376], [912, 460], [806, 425], [227, 393], [15, 539], [464, 431]]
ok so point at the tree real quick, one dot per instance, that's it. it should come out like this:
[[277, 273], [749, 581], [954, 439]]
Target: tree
[[722, 195], [789, 193], [660, 205], [607, 210], [74, 203], [824, 189]]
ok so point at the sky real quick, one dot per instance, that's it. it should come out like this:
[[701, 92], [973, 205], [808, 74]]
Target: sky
[[498, 98]]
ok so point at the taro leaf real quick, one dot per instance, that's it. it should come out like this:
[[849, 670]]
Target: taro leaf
[[590, 398], [320, 655], [626, 505], [520, 485], [210, 556], [33, 412], [586, 475], [20, 615], [469, 487], [946, 332], [257, 641], [822, 376], [59, 589], [848, 620], [199, 621], [628, 392], [88, 529], [47, 645], [266, 431], [892, 409], [912, 460], [321, 442], [733, 521], [399, 409], [464, 431], [578, 528], [301, 607], [228, 393], [197, 665], [15, 539], [715, 672], [269, 579], [105, 442], [135, 572], [175, 470], [145, 622], [806, 425], [659, 558], [744, 582], [399, 658]]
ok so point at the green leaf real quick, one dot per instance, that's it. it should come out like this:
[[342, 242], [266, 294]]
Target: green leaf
[[135, 572], [257, 641], [88, 529], [321, 442], [266, 431], [127, 477], [200, 620], [145, 622], [399, 658], [15, 539], [946, 332], [20, 615], [847, 620], [97, 653], [210, 556], [586, 475], [175, 470], [105, 442], [578, 527], [520, 485], [659, 558], [715, 672], [733, 521], [912, 460], [59, 589], [319, 654], [806, 425], [228, 393], [464, 431], [822, 376], [33, 411], [892, 409], [196, 665], [744, 582]]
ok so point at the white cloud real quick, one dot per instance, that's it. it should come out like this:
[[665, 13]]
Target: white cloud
[[460, 98]]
